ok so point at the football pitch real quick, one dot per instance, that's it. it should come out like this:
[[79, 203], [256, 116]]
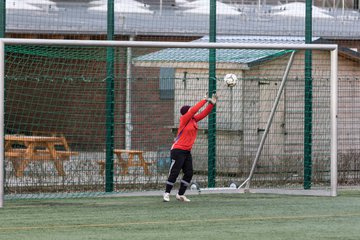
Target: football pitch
[[207, 216]]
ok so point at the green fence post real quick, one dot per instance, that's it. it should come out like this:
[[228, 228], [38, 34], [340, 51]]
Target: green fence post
[[109, 162], [212, 90], [2, 18], [308, 99]]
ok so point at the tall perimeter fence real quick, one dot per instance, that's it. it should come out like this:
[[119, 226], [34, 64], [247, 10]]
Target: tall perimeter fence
[[90, 119]]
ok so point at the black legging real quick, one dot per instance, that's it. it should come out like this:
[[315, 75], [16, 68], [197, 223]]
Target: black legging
[[181, 160]]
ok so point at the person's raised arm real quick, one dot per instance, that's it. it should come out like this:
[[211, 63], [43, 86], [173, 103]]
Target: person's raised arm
[[207, 110], [194, 109]]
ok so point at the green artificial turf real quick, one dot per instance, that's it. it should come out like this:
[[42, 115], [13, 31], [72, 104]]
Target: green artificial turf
[[213, 216]]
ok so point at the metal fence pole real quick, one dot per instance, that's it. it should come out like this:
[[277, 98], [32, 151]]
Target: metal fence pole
[[308, 99], [109, 163], [212, 90]]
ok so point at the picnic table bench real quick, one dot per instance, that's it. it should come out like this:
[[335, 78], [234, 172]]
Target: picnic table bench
[[22, 149]]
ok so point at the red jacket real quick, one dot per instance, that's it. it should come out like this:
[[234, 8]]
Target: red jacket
[[188, 126]]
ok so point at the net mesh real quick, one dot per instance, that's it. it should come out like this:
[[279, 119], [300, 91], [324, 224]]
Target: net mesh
[[59, 94]]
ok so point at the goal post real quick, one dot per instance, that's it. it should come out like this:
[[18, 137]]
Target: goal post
[[144, 107], [334, 115]]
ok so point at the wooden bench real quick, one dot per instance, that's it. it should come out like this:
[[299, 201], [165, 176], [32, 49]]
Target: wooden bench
[[130, 162], [21, 150], [63, 154]]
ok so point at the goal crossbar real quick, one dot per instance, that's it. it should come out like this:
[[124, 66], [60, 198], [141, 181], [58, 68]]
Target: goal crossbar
[[146, 44]]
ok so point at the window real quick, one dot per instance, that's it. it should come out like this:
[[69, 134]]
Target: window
[[167, 83]]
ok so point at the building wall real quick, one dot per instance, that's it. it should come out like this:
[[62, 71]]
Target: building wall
[[151, 115], [238, 136], [241, 128]]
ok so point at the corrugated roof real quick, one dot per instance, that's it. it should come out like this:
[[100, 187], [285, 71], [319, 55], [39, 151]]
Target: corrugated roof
[[239, 56], [76, 18]]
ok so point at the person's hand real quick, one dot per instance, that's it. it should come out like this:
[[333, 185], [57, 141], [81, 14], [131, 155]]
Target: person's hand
[[206, 96], [213, 98]]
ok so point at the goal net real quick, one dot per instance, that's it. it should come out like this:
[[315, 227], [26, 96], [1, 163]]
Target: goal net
[[88, 117]]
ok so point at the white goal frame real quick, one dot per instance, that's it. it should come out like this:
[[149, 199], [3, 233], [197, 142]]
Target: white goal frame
[[333, 48]]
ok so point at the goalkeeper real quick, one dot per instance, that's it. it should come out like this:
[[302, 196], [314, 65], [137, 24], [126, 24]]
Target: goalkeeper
[[181, 158]]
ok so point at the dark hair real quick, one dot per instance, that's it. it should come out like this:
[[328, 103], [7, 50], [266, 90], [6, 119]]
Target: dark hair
[[184, 109]]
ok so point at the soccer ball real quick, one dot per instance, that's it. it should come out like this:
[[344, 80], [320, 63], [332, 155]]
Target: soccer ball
[[233, 185], [230, 79], [195, 187]]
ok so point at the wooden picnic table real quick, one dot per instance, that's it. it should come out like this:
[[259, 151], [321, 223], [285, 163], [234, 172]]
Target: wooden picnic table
[[22, 150], [134, 158]]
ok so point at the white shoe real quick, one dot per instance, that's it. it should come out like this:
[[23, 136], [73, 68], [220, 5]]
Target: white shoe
[[182, 198], [166, 197]]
